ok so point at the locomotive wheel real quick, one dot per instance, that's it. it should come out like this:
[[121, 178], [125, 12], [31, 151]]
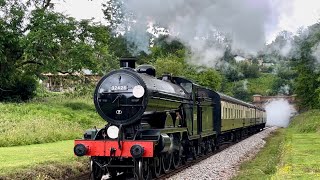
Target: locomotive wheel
[[96, 171], [166, 162], [207, 147], [194, 152], [213, 147], [156, 166], [176, 159], [143, 169], [112, 172]]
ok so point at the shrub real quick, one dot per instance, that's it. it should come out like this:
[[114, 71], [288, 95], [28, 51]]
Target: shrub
[[21, 88]]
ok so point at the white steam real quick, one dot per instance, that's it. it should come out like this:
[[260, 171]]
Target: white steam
[[279, 112], [206, 27]]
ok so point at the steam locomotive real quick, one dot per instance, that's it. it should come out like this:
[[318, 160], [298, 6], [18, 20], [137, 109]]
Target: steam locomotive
[[156, 124]]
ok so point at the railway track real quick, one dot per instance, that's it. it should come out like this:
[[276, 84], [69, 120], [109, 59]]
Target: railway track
[[172, 172]]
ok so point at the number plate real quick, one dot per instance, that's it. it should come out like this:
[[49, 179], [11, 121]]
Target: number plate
[[119, 88]]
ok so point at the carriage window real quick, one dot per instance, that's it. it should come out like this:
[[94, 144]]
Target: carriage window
[[225, 113]]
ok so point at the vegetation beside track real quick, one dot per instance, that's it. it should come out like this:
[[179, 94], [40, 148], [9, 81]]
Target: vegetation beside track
[[41, 161], [291, 153], [264, 165], [45, 120], [300, 156]]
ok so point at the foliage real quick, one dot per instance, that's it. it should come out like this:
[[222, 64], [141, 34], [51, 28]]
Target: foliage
[[307, 122], [11, 30], [82, 90], [42, 40], [113, 13], [232, 73], [170, 64], [61, 44], [249, 70], [163, 46], [240, 91], [209, 78], [262, 85], [306, 83]]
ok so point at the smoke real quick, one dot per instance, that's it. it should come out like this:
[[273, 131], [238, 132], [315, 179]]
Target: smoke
[[279, 112], [206, 27], [285, 89], [286, 49]]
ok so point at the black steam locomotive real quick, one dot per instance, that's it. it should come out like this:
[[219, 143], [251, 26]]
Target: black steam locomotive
[[156, 124]]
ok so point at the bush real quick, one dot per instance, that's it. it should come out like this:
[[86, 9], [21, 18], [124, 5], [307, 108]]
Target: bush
[[22, 88], [83, 90]]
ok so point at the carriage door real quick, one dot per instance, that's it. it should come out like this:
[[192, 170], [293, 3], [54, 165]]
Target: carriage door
[[199, 109], [195, 110], [197, 125]]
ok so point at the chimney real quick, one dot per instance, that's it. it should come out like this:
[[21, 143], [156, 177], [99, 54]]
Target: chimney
[[128, 62]]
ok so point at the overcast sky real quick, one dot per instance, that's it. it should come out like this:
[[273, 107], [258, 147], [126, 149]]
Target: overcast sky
[[302, 13]]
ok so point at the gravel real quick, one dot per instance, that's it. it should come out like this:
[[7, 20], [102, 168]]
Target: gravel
[[224, 165]]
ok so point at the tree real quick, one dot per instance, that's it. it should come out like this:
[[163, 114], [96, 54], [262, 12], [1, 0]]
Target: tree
[[210, 78], [240, 91], [249, 70], [47, 41], [306, 84], [170, 64]]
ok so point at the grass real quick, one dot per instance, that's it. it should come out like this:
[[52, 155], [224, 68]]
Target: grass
[[301, 156], [40, 161], [292, 153], [46, 120], [308, 122], [264, 165]]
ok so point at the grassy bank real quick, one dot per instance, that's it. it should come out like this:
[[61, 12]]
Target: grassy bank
[[291, 153], [264, 165], [46, 120], [41, 161], [301, 156]]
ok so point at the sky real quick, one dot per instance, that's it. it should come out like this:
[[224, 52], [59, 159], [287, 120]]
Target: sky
[[301, 13]]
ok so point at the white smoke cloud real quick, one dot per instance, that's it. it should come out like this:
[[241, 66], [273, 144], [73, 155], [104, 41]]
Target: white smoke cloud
[[279, 113], [204, 26]]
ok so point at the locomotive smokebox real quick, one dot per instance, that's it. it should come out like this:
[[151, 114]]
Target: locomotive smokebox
[[128, 62]]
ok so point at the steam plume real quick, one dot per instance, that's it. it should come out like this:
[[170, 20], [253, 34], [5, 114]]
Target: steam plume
[[279, 113], [207, 27]]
